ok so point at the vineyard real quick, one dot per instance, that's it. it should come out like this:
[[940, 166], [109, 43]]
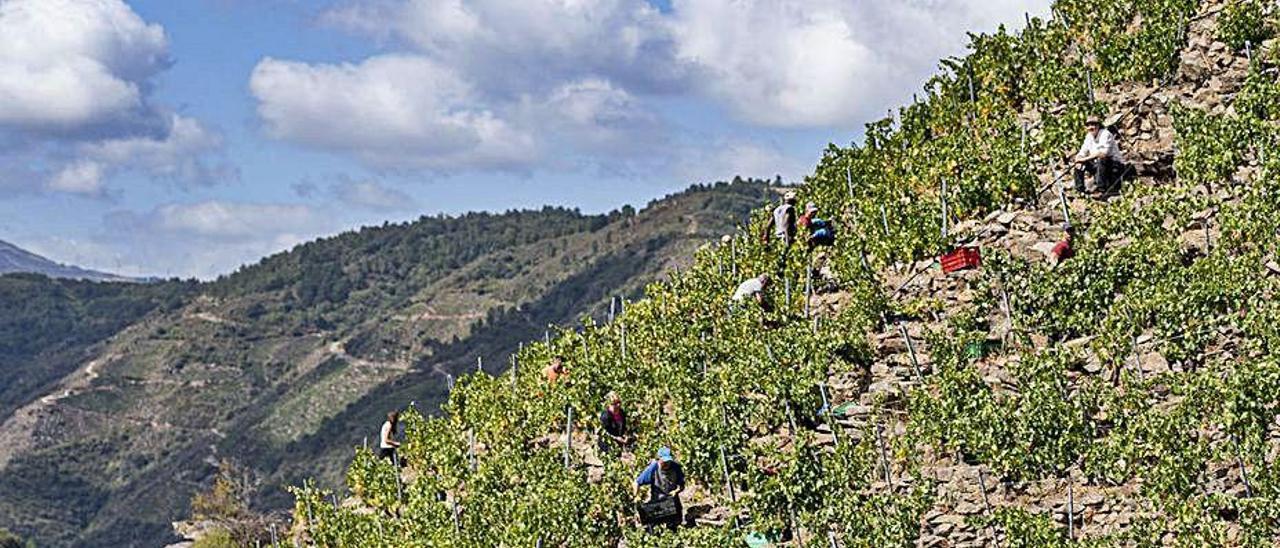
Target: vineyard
[[1127, 396]]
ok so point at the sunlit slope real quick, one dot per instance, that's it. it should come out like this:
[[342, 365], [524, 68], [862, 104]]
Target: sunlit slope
[[1126, 396]]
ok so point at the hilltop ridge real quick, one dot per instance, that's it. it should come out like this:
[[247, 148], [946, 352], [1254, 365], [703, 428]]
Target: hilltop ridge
[[14, 259]]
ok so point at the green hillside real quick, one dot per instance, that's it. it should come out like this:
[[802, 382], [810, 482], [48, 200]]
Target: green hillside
[[1127, 396], [126, 403]]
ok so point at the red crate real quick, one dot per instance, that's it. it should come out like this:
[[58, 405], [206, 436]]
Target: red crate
[[961, 259]]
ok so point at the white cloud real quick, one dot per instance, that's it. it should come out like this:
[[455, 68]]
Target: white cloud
[[180, 155], [531, 46], [391, 111], [233, 221], [826, 63], [599, 117], [75, 79], [372, 195], [731, 158], [81, 177], [65, 64], [489, 85]]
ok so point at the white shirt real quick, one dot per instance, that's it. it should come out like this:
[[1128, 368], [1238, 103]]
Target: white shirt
[[384, 440], [1104, 142], [780, 215], [748, 288]]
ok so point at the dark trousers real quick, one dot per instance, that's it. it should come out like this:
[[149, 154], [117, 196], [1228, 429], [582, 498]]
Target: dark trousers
[[388, 453], [1106, 173]]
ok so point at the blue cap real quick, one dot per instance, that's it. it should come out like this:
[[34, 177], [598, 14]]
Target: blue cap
[[664, 454]]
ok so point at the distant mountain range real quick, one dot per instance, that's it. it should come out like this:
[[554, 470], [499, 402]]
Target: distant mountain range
[[14, 259]]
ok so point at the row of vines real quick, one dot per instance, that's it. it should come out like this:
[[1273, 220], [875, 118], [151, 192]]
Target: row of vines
[[738, 392]]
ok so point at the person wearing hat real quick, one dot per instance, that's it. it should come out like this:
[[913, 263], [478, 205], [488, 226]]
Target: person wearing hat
[[613, 423], [665, 479], [820, 232], [1099, 156]]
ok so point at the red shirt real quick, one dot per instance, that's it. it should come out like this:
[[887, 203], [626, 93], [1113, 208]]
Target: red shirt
[[1062, 250]]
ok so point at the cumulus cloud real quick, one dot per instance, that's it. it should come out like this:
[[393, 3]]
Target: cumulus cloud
[[75, 109], [516, 48], [392, 111], [491, 84], [596, 116], [66, 64], [826, 63]]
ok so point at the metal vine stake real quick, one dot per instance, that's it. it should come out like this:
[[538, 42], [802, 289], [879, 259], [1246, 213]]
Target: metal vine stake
[[884, 456], [568, 434]]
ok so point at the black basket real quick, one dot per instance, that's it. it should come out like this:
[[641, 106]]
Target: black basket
[[659, 511]]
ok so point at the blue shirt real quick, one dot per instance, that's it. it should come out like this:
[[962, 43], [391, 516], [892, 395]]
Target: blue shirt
[[661, 481]]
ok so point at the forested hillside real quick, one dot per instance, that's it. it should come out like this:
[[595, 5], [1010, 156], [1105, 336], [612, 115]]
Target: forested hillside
[[124, 398], [1125, 396]]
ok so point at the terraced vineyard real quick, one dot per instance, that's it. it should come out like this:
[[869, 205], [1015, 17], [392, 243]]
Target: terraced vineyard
[[1127, 396]]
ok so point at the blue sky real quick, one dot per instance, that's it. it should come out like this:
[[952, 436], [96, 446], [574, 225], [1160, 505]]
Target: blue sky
[[188, 137]]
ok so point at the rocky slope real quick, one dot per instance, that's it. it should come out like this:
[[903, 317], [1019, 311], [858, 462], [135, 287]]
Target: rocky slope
[[1125, 397]]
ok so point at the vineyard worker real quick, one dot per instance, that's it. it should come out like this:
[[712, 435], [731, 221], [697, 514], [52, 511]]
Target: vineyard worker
[[820, 230], [1063, 250], [754, 288], [784, 219], [387, 443], [1099, 156], [665, 479], [613, 423], [555, 371]]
